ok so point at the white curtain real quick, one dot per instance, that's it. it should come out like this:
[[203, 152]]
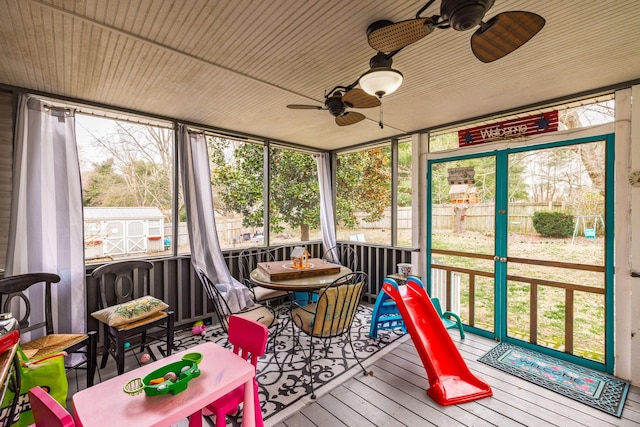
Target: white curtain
[[203, 237], [327, 215], [46, 226]]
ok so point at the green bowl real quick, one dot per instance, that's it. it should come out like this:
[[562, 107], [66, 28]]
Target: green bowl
[[193, 357], [185, 370]]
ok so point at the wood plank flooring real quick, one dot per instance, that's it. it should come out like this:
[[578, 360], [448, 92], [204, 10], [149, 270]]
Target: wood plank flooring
[[395, 396]]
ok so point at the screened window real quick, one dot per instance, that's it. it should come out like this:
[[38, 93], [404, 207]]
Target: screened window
[[237, 184], [294, 197], [127, 188], [363, 203]]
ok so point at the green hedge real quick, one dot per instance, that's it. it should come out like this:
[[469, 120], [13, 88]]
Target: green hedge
[[553, 224]]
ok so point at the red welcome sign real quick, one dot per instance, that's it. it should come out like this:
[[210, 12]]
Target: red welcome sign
[[531, 125]]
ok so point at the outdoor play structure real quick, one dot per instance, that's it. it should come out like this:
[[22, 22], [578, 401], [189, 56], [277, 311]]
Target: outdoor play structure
[[589, 226], [450, 380]]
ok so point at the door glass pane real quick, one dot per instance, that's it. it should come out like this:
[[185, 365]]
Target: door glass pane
[[404, 220], [463, 238], [556, 248]]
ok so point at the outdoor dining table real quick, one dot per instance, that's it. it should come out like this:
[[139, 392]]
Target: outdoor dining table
[[106, 404], [307, 283]]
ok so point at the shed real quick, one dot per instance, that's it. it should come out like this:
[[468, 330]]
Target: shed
[[119, 231]]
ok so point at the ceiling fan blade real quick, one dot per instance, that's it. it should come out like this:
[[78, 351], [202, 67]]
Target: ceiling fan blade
[[357, 98], [504, 33], [304, 107], [394, 36], [349, 118]]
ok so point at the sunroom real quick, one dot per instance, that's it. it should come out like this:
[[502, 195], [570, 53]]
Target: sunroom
[[528, 235]]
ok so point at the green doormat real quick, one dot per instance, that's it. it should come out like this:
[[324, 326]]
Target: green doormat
[[592, 388]]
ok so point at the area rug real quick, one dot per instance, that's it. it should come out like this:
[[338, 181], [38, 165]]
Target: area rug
[[279, 390], [592, 388]]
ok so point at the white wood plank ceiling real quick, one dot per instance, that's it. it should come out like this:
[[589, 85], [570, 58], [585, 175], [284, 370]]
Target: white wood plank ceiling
[[236, 64]]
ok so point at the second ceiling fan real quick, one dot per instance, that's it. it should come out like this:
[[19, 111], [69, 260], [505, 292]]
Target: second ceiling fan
[[339, 100], [494, 39]]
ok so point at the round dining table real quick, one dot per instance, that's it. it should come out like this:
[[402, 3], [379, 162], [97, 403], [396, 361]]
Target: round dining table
[[301, 284]]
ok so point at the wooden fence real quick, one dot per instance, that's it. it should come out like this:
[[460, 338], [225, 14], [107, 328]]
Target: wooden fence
[[481, 217]]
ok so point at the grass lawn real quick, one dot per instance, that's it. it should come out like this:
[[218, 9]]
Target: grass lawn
[[589, 316]]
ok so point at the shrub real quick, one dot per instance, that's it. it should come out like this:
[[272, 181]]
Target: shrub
[[553, 224]]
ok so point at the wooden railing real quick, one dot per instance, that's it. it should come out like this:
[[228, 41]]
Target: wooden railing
[[174, 280], [534, 284]]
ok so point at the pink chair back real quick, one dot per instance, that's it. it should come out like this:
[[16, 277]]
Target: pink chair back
[[249, 341], [248, 338], [47, 412]]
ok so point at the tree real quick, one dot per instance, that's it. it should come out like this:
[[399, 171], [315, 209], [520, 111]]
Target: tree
[[237, 180], [136, 170], [294, 191], [294, 197], [404, 174], [104, 187], [592, 156], [363, 185]]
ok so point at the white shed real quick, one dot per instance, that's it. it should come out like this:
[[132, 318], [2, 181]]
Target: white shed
[[122, 231]]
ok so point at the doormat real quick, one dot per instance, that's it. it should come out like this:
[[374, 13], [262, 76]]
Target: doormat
[[592, 388], [280, 390]]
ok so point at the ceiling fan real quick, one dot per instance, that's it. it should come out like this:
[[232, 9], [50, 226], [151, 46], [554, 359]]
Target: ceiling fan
[[497, 37], [339, 100]]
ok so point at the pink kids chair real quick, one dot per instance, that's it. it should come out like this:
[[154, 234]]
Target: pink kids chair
[[47, 412], [249, 341]]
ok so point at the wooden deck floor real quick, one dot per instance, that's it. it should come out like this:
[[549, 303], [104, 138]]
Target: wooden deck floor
[[395, 396]]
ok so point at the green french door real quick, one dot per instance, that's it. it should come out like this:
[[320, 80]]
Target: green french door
[[521, 245]]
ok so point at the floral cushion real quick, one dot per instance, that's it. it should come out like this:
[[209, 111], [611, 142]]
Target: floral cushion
[[131, 311]]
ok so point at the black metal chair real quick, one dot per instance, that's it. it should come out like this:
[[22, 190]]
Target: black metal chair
[[248, 261], [86, 344], [344, 255], [332, 315], [122, 283], [257, 312]]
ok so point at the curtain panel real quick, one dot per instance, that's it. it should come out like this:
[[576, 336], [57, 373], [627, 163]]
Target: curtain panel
[[206, 254], [46, 227], [327, 210]]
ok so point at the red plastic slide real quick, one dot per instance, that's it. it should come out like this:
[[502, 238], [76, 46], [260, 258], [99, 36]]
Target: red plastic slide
[[450, 381]]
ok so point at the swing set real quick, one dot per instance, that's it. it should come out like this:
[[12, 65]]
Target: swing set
[[587, 220]]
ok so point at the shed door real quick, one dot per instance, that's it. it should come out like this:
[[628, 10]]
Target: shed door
[[114, 238]]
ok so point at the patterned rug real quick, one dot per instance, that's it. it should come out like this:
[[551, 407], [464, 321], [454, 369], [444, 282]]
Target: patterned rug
[[592, 388], [280, 390]]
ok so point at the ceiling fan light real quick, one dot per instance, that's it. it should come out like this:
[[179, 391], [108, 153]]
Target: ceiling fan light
[[381, 81]]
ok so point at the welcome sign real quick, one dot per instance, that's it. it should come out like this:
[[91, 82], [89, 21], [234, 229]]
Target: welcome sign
[[523, 126]]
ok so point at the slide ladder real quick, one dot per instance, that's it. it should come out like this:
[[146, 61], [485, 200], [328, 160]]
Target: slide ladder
[[450, 380]]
